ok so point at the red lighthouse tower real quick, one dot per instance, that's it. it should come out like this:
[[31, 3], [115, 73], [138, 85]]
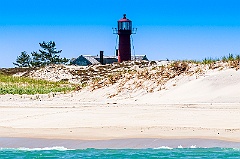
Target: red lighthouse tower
[[124, 31]]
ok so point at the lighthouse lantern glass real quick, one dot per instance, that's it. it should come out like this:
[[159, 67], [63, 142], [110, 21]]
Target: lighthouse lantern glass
[[125, 25]]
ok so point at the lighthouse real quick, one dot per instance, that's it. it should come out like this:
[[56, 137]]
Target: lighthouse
[[124, 32]]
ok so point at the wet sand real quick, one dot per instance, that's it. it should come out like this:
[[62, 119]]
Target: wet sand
[[120, 125], [115, 143]]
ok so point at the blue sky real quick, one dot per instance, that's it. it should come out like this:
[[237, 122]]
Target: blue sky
[[173, 29]]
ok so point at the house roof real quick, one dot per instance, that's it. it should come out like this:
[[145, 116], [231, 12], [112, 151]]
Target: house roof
[[94, 60], [91, 59]]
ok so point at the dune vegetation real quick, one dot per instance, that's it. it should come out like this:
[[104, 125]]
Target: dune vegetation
[[25, 85], [149, 76]]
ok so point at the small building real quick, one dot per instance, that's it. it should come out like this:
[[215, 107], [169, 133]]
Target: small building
[[85, 60]]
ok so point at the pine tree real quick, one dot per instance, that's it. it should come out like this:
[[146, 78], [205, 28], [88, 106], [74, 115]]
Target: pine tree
[[23, 60], [37, 59], [48, 55]]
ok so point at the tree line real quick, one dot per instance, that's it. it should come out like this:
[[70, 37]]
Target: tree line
[[48, 54]]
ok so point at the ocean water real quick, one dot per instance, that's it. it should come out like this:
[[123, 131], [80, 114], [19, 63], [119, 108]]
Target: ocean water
[[161, 152]]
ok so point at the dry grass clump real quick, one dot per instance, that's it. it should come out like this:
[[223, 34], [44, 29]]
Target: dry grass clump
[[130, 76], [13, 71], [133, 75]]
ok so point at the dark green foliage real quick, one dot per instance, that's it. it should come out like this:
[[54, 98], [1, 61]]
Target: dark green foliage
[[23, 60], [37, 59], [47, 55]]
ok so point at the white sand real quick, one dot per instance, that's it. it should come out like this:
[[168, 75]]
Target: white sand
[[204, 107], [214, 87]]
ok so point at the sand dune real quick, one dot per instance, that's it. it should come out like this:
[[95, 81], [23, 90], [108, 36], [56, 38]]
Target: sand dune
[[189, 106], [213, 87]]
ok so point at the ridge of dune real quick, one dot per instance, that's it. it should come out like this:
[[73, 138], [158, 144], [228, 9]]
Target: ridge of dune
[[147, 82]]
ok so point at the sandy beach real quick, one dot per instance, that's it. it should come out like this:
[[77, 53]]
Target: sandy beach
[[192, 110]]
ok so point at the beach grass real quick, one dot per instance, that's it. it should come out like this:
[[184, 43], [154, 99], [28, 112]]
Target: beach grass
[[25, 85], [228, 58]]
